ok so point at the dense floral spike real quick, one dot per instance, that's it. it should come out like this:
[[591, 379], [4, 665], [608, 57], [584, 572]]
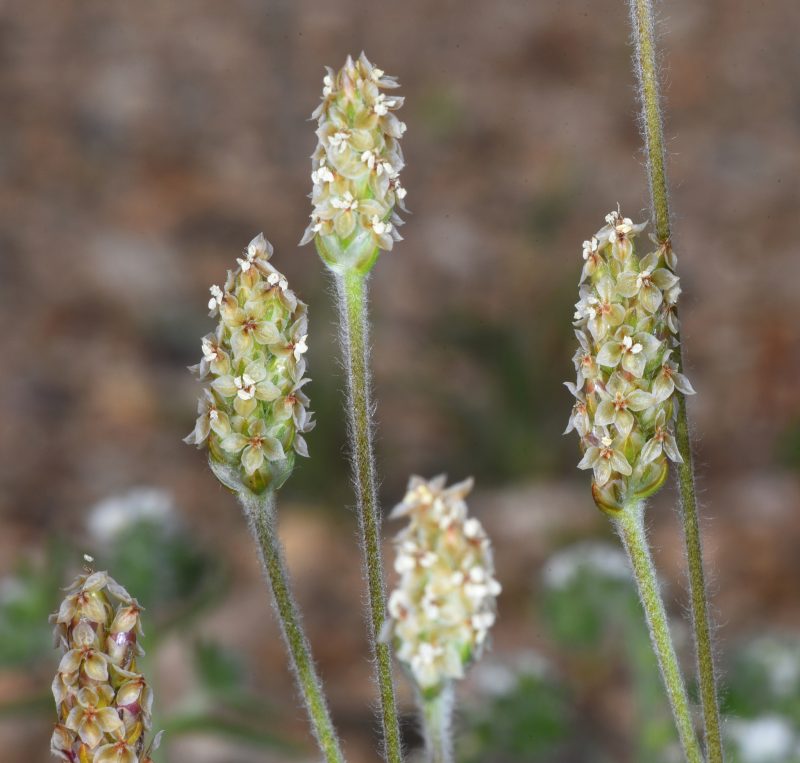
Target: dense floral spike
[[356, 168], [253, 412], [626, 327], [103, 702], [444, 605]]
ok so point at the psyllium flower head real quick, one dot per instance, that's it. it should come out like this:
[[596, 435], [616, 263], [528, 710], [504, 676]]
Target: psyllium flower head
[[253, 412], [356, 167], [103, 702], [444, 604], [626, 327]]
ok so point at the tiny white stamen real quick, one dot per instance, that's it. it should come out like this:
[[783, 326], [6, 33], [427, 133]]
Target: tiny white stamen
[[300, 348], [216, 297]]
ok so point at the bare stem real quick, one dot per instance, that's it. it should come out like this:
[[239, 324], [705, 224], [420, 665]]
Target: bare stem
[[260, 513], [630, 526], [645, 59], [437, 720], [352, 289]]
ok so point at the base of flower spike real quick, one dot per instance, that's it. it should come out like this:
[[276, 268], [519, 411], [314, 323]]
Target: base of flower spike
[[612, 497], [231, 476], [356, 254]]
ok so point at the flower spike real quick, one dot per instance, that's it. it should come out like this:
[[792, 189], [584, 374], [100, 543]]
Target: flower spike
[[626, 381], [444, 604], [356, 168], [253, 412], [103, 702]]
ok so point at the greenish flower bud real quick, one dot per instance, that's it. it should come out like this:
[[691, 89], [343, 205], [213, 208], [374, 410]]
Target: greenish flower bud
[[253, 412], [444, 605], [356, 168], [104, 704], [626, 327]]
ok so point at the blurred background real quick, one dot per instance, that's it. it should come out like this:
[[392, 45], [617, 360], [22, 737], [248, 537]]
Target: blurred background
[[144, 144]]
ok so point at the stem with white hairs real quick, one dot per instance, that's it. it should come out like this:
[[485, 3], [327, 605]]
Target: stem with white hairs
[[630, 526], [260, 513], [641, 12], [352, 293]]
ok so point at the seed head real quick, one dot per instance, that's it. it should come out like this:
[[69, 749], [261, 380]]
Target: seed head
[[253, 412], [444, 604], [626, 326], [103, 702], [356, 168]]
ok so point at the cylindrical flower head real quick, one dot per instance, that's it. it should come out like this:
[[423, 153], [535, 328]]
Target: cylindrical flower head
[[442, 609], [253, 412], [356, 168], [626, 327], [103, 702]]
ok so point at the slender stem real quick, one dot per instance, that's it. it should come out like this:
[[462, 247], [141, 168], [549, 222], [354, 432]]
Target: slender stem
[[642, 21], [437, 719], [352, 291], [630, 526], [260, 513]]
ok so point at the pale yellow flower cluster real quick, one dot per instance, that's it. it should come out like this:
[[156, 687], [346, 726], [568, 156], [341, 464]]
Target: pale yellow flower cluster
[[626, 325], [356, 167], [103, 702], [253, 413], [444, 604]]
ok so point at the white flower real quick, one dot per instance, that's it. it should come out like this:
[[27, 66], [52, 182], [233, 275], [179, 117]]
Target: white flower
[[216, 297], [300, 348], [327, 83], [210, 351], [277, 278], [383, 104], [379, 226], [340, 140], [245, 387], [345, 202], [590, 247], [630, 347], [322, 174]]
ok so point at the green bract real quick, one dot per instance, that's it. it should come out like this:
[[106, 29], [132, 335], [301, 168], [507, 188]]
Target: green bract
[[253, 412], [356, 168], [626, 327]]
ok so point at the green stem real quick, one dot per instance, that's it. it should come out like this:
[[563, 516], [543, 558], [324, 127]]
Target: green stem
[[437, 718], [352, 291], [260, 513], [630, 525], [642, 21]]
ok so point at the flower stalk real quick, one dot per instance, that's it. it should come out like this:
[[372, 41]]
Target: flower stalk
[[260, 513], [252, 415], [641, 12], [356, 190], [352, 291], [437, 716], [629, 523]]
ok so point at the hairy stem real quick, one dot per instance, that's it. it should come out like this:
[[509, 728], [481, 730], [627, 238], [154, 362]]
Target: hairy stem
[[642, 22], [260, 513], [437, 720], [630, 526], [352, 292]]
